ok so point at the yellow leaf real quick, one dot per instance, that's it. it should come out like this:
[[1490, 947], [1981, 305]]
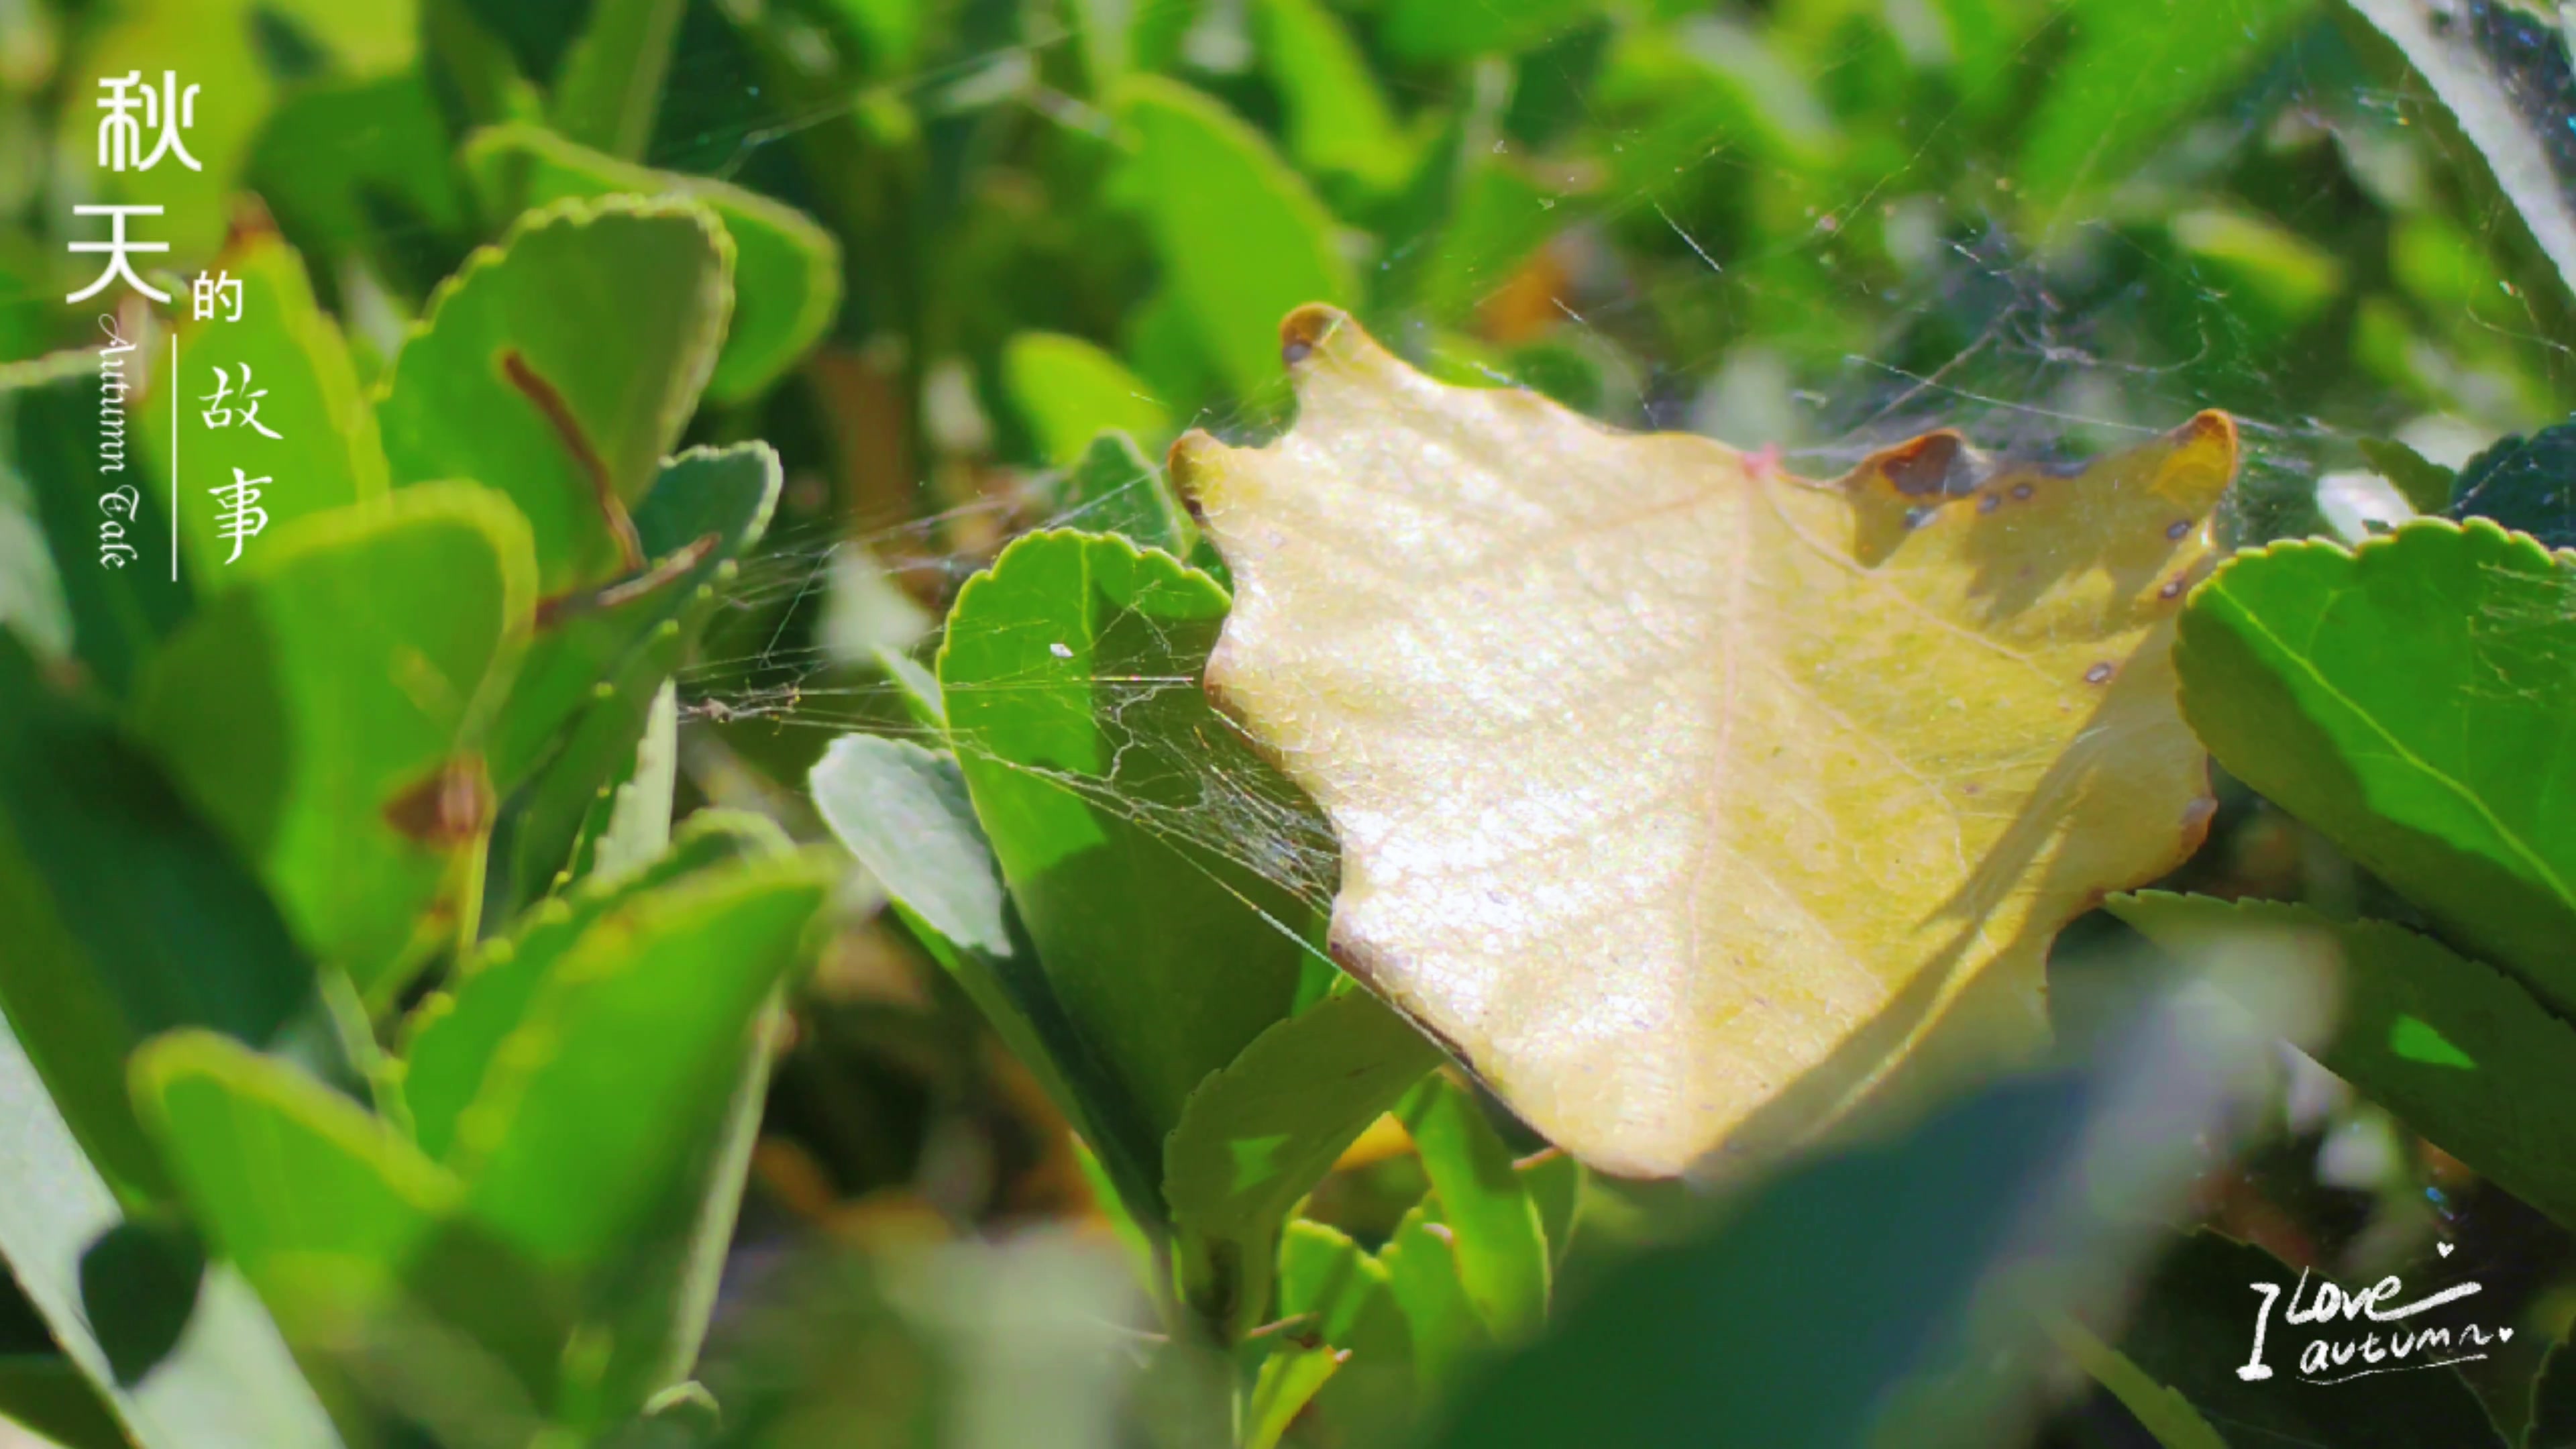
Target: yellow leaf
[[1687, 800]]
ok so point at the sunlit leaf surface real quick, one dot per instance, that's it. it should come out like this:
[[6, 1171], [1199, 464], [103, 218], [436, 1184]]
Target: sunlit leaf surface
[[1686, 798]]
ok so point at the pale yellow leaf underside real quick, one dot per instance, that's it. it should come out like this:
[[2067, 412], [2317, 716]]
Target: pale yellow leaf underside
[[1681, 797]]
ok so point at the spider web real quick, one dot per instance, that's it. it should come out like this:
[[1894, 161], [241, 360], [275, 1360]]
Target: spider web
[[2159, 278]]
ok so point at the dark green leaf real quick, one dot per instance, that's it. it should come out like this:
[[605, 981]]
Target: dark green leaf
[[1115, 489], [106, 520], [1258, 1135], [231, 1385], [2159, 1410], [1438, 30], [2096, 120], [47, 1394], [2193, 1329], [128, 917], [2522, 483], [2457, 1049], [903, 811], [2553, 1403], [2425, 484]]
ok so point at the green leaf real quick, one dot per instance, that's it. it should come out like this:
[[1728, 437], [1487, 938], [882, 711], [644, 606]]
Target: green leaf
[[230, 1385], [2410, 699], [237, 1126], [623, 1059], [1339, 123], [706, 509], [2193, 1328], [638, 827], [364, 167], [2132, 73], [584, 697], [1242, 239], [2458, 1050], [1439, 30], [2425, 484], [47, 1394], [606, 1142], [2277, 279], [2523, 483], [2159, 1410], [1425, 1277], [559, 367], [1100, 774], [609, 88], [1289, 1379], [105, 519], [453, 1037], [904, 812], [1348, 1300], [325, 713], [1259, 1134], [128, 917], [228, 47], [290, 351], [918, 687], [1554, 1180], [2553, 1402], [787, 277], [1493, 1221], [1070, 390], [1115, 489], [1876, 1271]]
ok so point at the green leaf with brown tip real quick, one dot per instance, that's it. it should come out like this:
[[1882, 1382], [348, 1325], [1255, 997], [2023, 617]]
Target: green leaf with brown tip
[[560, 365], [327, 712]]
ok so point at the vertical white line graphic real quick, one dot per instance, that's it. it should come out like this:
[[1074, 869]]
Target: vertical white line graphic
[[174, 455]]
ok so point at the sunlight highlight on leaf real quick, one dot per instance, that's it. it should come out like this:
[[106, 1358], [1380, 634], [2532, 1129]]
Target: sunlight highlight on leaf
[[1685, 799]]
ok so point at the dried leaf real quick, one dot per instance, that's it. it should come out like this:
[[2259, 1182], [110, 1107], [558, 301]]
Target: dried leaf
[[1685, 799]]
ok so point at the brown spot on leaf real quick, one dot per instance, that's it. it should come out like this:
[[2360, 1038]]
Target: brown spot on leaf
[[1922, 466], [558, 415], [449, 808], [1305, 330]]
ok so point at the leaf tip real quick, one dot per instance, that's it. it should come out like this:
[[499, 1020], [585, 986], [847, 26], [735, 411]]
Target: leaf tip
[[1307, 330]]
